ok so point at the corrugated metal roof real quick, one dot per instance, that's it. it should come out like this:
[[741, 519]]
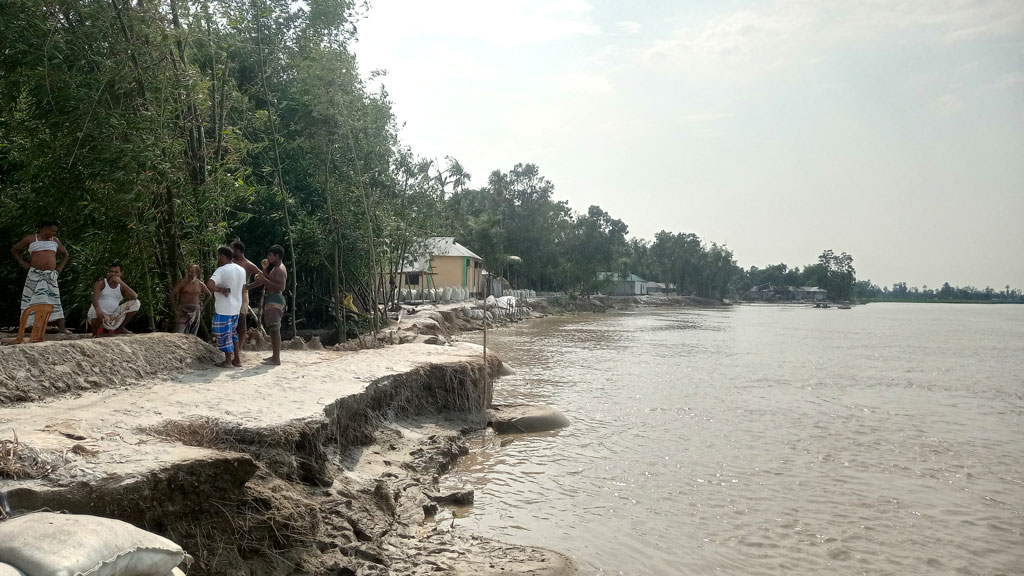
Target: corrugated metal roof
[[620, 277], [435, 246]]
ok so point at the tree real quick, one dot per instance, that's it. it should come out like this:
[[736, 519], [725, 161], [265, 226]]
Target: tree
[[596, 241], [837, 274]]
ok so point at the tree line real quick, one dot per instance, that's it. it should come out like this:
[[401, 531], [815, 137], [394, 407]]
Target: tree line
[[523, 233], [156, 131], [900, 292]]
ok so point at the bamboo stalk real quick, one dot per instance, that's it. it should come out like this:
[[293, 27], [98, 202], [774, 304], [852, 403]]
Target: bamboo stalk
[[279, 179]]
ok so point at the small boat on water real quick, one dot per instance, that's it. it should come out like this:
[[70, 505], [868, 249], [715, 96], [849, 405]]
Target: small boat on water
[[844, 306]]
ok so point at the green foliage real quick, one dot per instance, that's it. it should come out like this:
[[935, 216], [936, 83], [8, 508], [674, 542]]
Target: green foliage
[[558, 249], [155, 131], [836, 274]]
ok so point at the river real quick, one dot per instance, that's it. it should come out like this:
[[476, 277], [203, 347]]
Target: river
[[887, 439]]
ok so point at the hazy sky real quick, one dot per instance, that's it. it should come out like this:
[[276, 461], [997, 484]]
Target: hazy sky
[[890, 130]]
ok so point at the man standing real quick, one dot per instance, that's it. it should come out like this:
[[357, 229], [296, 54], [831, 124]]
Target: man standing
[[186, 301], [43, 268], [227, 284], [107, 310], [273, 279], [238, 250]]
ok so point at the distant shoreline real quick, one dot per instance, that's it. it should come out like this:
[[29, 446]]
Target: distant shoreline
[[950, 301]]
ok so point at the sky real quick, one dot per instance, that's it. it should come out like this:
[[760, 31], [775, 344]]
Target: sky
[[890, 130]]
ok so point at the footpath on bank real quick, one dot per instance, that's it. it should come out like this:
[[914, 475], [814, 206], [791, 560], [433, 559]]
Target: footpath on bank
[[328, 464]]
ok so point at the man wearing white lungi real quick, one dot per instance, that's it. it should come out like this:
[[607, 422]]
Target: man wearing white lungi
[[114, 303]]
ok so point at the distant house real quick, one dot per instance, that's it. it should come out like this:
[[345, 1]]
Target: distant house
[[786, 293], [441, 262], [809, 293], [657, 288], [619, 285]]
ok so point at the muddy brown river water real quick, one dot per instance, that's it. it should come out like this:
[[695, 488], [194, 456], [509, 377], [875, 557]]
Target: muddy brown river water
[[887, 439]]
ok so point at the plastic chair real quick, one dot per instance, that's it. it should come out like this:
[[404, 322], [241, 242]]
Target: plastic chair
[[42, 312]]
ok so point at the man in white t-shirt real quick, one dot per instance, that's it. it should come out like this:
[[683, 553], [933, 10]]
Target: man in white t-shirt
[[226, 283]]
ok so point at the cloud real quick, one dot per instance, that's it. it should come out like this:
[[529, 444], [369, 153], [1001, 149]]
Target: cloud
[[588, 84], [706, 117], [784, 32], [1008, 80], [506, 24], [628, 27], [947, 104]]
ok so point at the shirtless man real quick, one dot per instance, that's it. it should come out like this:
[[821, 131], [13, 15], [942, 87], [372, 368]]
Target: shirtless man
[[187, 303], [250, 269], [114, 303], [273, 279], [47, 259]]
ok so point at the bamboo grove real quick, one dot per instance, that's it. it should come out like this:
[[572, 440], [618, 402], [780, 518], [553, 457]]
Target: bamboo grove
[[155, 130]]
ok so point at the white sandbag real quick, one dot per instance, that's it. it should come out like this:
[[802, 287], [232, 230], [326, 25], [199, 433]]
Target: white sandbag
[[8, 570], [491, 302], [506, 302], [48, 544], [525, 419], [446, 295]]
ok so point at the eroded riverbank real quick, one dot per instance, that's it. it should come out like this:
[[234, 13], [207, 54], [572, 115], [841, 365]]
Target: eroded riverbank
[[326, 465]]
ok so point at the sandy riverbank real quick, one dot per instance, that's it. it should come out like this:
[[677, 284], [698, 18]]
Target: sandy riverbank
[[328, 464]]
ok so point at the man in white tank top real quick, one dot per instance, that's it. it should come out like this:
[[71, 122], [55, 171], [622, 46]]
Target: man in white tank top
[[114, 303]]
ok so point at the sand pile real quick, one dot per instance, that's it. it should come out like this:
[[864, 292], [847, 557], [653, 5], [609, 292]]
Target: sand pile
[[32, 372]]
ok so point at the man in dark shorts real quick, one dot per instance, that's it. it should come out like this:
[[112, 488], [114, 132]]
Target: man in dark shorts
[[273, 279]]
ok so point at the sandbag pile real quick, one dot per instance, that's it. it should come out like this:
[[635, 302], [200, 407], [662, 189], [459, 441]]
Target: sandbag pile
[[451, 294], [444, 294], [48, 544]]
